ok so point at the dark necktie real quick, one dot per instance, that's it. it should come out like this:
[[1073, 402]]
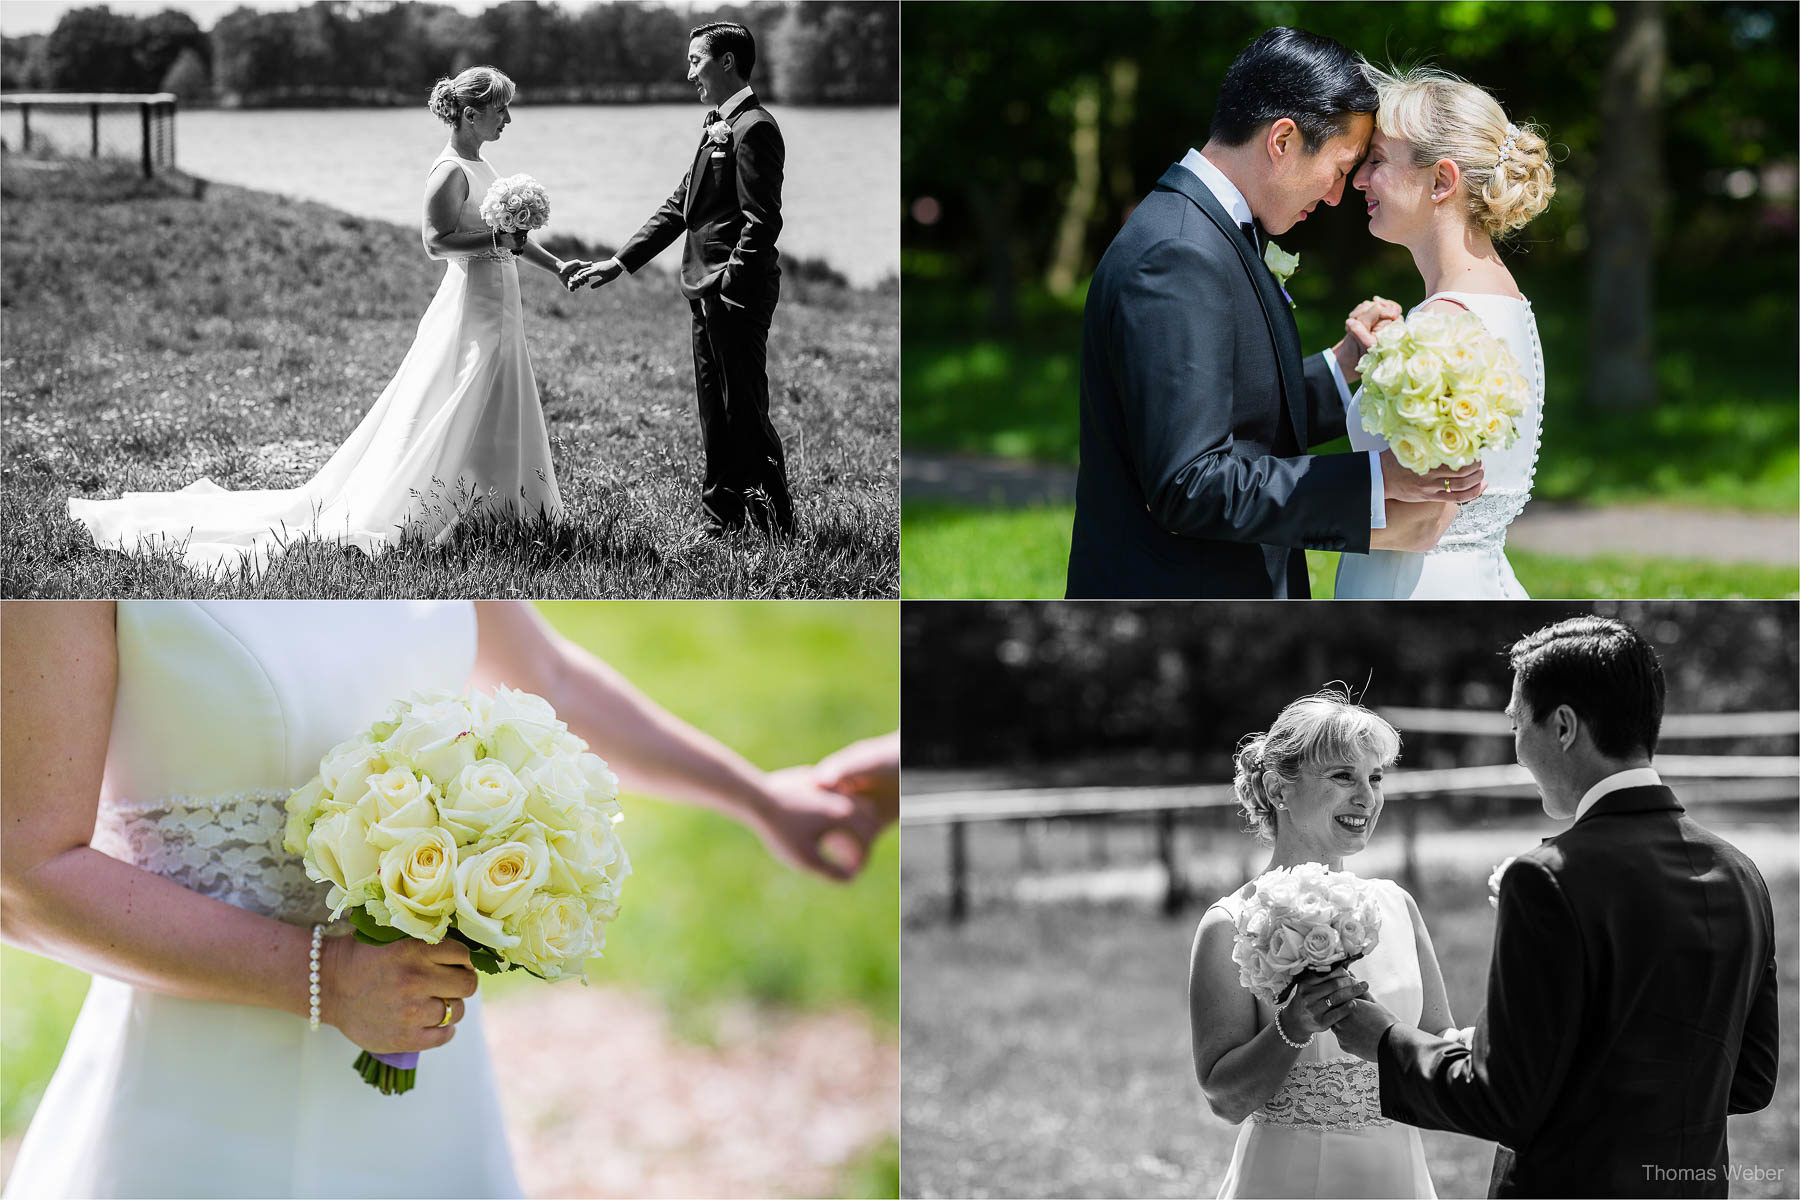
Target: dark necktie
[[1249, 229], [712, 115]]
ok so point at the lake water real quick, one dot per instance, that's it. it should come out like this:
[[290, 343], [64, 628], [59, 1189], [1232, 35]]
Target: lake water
[[606, 167]]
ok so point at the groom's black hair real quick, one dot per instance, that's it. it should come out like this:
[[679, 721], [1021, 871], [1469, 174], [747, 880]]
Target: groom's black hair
[[726, 37], [1605, 671], [1313, 81]]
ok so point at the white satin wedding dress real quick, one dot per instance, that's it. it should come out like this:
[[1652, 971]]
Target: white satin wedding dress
[[1322, 1133], [223, 709], [459, 430], [1469, 562]]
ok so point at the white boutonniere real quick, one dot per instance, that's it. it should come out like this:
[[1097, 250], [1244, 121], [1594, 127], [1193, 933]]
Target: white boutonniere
[[720, 133], [1281, 265], [1494, 880]]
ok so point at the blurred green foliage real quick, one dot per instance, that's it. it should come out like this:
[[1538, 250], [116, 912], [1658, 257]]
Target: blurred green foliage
[[1181, 683]]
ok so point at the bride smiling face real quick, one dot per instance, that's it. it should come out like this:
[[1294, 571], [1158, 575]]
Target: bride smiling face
[[1331, 810], [1401, 198], [1311, 785]]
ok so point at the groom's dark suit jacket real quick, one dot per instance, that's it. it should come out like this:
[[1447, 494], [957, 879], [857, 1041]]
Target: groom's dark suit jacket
[[1630, 1006], [1196, 411], [729, 205]]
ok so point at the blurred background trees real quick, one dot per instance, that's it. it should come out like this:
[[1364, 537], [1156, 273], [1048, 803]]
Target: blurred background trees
[[335, 52], [1160, 687]]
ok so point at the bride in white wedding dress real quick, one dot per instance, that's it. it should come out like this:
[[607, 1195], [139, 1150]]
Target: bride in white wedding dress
[[1445, 175], [1311, 1114], [459, 429], [149, 748]]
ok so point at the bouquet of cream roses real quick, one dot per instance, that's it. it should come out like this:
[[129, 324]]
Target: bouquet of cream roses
[[1441, 389], [475, 817], [1300, 919], [515, 204]]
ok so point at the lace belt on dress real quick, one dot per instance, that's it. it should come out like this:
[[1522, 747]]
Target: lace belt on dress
[[224, 847], [1482, 523], [1341, 1094]]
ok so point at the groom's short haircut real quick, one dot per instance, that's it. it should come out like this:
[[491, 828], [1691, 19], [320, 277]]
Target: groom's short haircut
[[726, 37], [1313, 81], [1605, 671]]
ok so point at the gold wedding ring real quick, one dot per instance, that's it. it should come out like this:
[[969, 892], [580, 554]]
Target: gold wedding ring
[[447, 1012], [1446, 485]]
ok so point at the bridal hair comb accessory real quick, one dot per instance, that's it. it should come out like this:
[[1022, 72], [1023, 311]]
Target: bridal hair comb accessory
[[312, 1013], [1506, 147]]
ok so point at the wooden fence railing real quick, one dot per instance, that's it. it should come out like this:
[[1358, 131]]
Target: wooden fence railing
[[1751, 778]]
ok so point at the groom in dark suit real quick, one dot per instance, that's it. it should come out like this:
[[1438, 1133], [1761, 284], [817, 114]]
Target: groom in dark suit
[[1196, 405], [729, 207], [1631, 1000]]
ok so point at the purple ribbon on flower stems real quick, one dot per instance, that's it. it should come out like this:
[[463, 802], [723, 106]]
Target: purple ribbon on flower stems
[[404, 1062], [1285, 296]]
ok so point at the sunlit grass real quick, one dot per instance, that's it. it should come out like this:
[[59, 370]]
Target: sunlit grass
[[242, 337], [973, 553]]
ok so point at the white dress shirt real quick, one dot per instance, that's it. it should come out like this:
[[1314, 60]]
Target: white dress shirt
[[729, 109], [1238, 209], [1619, 781]]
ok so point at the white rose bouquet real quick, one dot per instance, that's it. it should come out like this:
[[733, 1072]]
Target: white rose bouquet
[[1441, 389], [475, 817], [515, 204], [1301, 919]]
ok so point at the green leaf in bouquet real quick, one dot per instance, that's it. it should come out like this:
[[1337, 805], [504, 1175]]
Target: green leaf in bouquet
[[369, 931], [481, 957]]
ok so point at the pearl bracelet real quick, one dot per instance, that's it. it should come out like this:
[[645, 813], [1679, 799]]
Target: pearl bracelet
[[1282, 1033], [312, 1015]]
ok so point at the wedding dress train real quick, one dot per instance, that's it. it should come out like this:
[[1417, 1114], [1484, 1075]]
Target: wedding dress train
[[223, 709], [1322, 1133], [459, 429]]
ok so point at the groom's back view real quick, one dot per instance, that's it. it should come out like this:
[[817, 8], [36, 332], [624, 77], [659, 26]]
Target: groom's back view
[[1196, 404], [1631, 1002]]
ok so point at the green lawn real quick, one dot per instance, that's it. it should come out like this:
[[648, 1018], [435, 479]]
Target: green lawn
[[1047, 1045], [950, 551], [708, 916], [1726, 433]]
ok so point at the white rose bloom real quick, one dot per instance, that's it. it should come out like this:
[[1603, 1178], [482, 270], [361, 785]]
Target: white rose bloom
[[555, 935], [345, 770], [1387, 375], [418, 882], [436, 739], [496, 883], [559, 789], [485, 800], [304, 807], [397, 803], [338, 852], [518, 726], [1412, 451]]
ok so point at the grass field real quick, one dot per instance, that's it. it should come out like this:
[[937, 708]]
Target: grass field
[[1047, 1046], [710, 922], [242, 336], [1024, 553]]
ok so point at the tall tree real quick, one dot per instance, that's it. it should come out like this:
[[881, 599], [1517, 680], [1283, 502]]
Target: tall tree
[[1624, 200]]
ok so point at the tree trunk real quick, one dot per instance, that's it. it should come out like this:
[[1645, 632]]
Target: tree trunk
[[1624, 200]]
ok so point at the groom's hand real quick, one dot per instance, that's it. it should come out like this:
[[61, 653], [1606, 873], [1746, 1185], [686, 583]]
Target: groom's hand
[[598, 274], [1414, 527], [1458, 486], [1359, 333], [568, 269], [1360, 1031]]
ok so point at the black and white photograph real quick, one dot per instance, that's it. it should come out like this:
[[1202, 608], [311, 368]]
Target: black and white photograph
[[578, 299], [1419, 900]]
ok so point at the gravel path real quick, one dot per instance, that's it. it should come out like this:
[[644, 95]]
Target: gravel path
[[1565, 530], [602, 1098]]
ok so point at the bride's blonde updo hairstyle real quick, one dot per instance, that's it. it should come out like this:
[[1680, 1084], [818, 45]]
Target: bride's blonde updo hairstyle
[[1327, 726], [477, 87], [1507, 178]]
